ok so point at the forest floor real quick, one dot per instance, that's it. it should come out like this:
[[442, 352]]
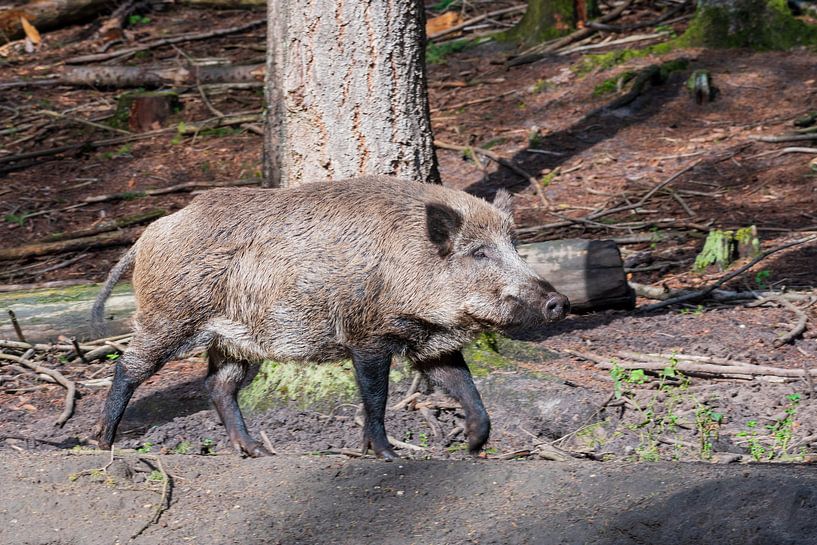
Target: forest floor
[[546, 399]]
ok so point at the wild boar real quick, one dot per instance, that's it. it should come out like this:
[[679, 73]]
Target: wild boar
[[364, 268]]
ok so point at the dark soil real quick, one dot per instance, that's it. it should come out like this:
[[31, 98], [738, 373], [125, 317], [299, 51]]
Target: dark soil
[[322, 500], [543, 394]]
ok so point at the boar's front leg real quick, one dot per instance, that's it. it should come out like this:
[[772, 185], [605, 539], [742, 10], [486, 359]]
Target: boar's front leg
[[224, 377], [372, 373], [450, 372]]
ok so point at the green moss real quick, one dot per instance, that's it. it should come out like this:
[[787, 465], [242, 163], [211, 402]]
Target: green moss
[[592, 436], [436, 53], [612, 85], [757, 24], [543, 20], [482, 356], [58, 295], [604, 61], [718, 250], [305, 384], [318, 386], [747, 236]]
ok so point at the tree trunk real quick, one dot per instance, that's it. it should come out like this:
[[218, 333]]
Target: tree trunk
[[759, 24], [346, 92], [548, 19]]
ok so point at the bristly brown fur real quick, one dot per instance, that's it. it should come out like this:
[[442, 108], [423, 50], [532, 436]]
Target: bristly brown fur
[[367, 267]]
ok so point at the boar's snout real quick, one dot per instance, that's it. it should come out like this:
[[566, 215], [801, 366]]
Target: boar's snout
[[556, 307]]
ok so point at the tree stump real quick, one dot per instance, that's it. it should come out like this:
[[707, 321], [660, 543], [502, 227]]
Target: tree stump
[[146, 111], [589, 272]]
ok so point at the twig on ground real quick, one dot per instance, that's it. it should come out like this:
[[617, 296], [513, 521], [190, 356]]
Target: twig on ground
[[662, 293], [267, 442], [704, 370], [191, 128], [166, 41], [459, 105], [629, 28], [405, 401], [797, 329], [474, 20], [401, 444], [697, 295], [78, 350], [57, 376], [807, 372], [614, 210], [109, 225], [534, 183], [163, 502], [433, 423], [58, 115], [177, 188], [449, 438], [622, 41], [17, 329], [785, 138]]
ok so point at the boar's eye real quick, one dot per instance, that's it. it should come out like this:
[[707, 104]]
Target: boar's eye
[[480, 253]]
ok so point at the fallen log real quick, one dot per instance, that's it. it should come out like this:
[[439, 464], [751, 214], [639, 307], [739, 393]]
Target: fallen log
[[46, 314], [695, 368], [589, 272], [108, 225], [48, 15], [102, 240], [117, 77]]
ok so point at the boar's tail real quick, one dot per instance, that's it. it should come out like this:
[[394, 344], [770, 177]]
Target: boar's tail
[[98, 310]]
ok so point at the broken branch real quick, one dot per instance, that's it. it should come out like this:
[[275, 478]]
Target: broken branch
[[697, 295], [57, 376]]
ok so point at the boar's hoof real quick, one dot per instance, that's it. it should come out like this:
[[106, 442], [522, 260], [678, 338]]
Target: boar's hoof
[[381, 451], [477, 432], [253, 449]]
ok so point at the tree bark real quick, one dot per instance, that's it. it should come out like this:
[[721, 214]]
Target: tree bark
[[346, 92], [759, 24], [548, 19]]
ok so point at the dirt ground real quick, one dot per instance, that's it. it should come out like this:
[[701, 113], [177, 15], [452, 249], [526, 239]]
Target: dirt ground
[[540, 395], [322, 500]]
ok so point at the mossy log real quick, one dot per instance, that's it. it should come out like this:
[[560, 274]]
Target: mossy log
[[589, 272], [45, 314]]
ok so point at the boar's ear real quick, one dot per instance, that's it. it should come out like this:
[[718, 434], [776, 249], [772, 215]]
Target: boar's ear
[[504, 201], [442, 224]]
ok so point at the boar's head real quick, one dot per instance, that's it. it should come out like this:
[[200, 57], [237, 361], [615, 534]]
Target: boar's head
[[494, 287]]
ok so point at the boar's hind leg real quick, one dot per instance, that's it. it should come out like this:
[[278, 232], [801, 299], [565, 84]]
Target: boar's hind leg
[[372, 373], [224, 377], [450, 372], [142, 359]]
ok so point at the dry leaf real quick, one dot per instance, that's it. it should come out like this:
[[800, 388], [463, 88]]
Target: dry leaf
[[31, 32], [442, 22]]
